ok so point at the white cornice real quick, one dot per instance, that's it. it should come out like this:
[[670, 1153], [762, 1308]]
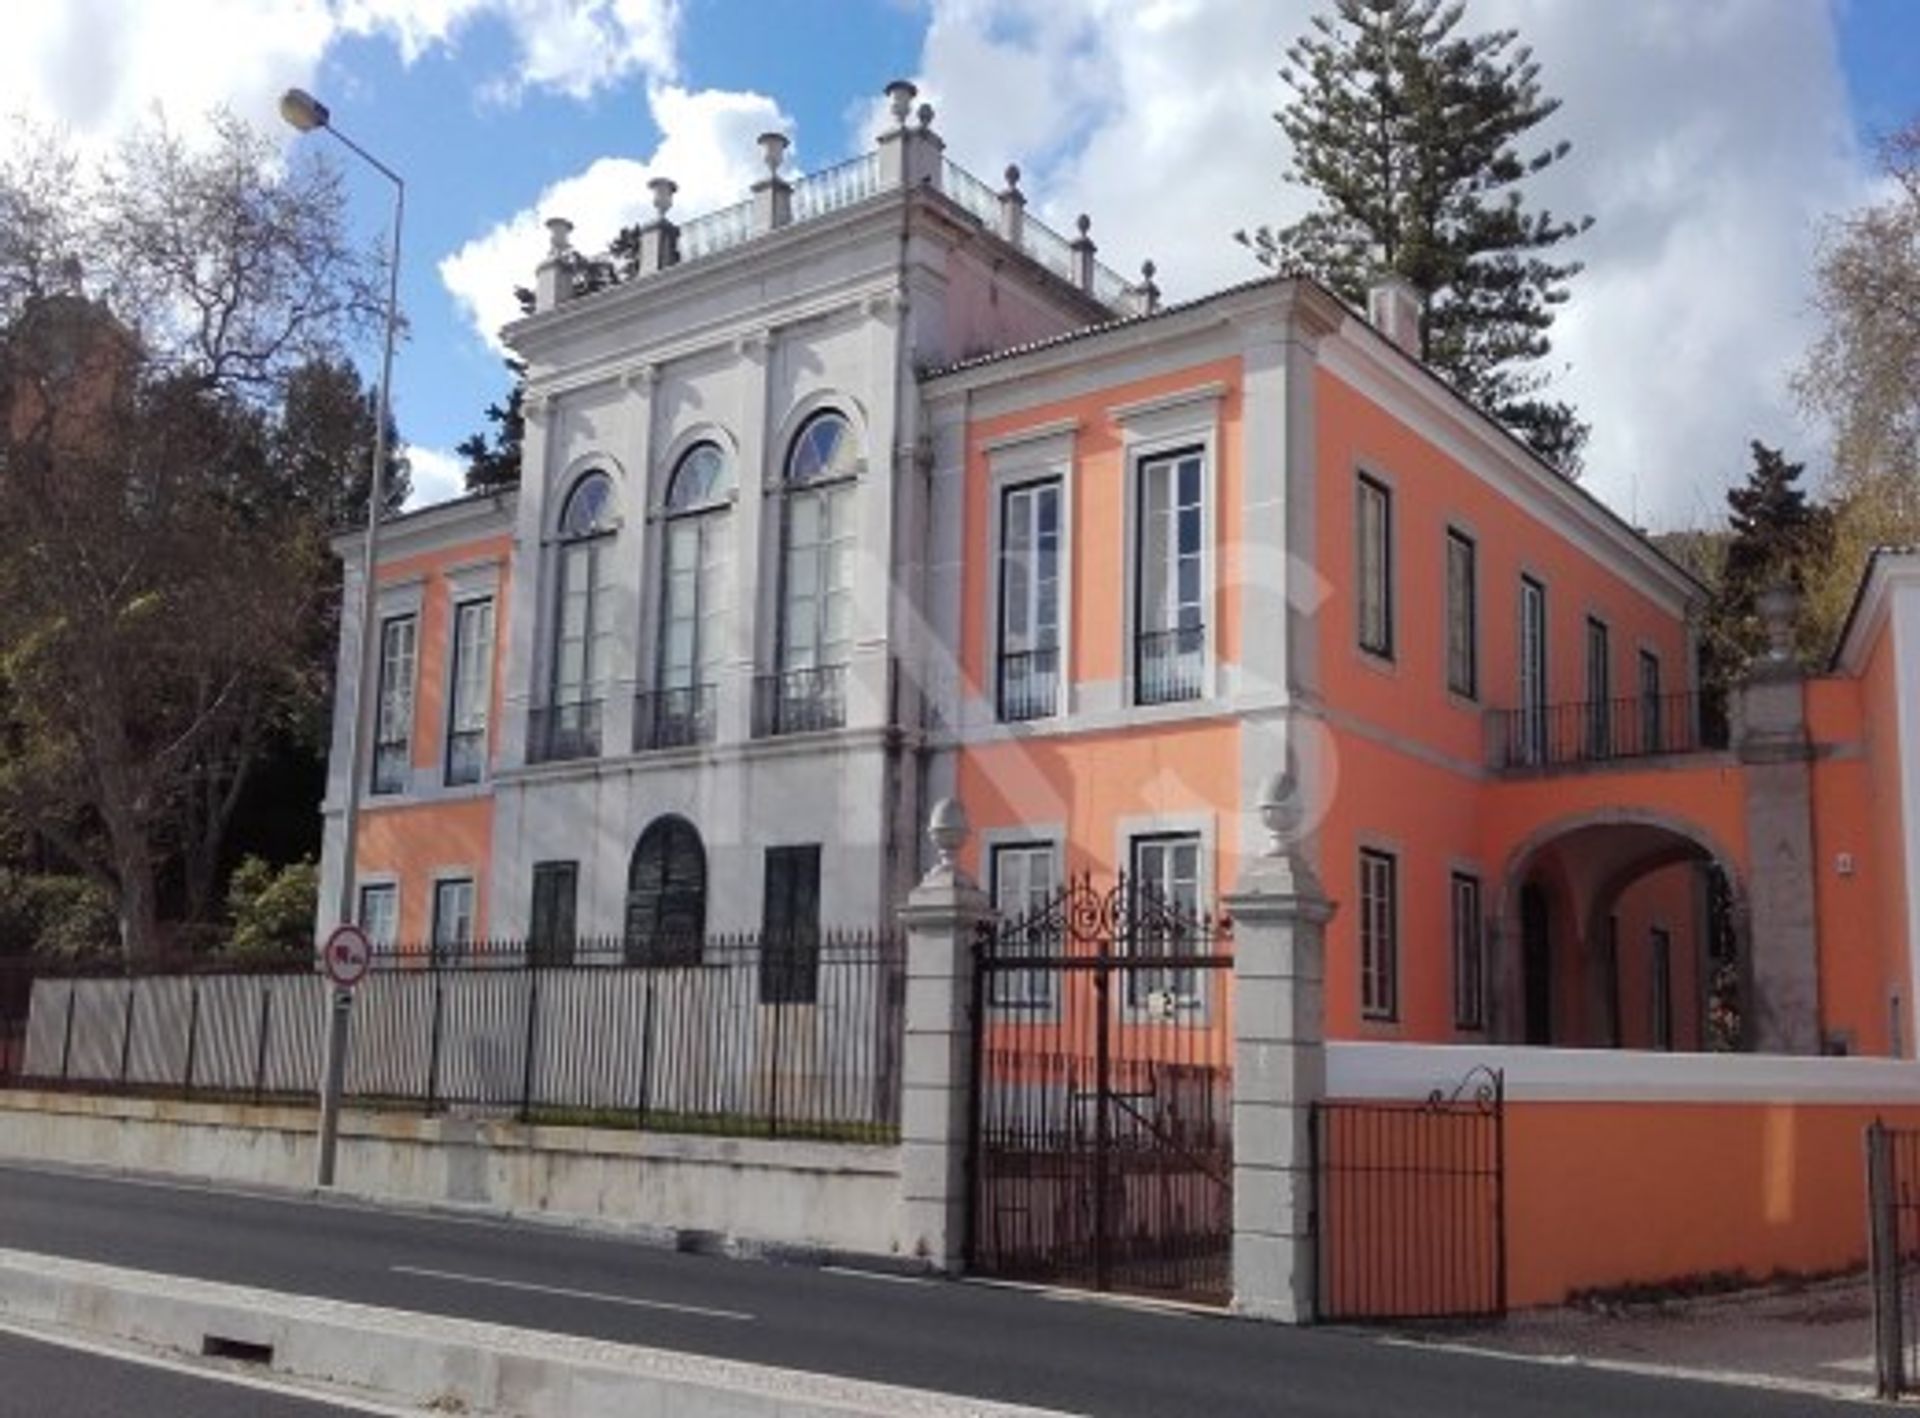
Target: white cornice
[[1022, 436], [1211, 392], [1886, 572], [430, 528]]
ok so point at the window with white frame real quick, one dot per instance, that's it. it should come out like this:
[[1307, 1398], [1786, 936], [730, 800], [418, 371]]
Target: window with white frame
[[1167, 921], [472, 691], [1025, 879], [1374, 568], [808, 689], [393, 728], [693, 602], [1029, 666], [1463, 615], [1379, 934], [452, 916], [583, 639], [1469, 956], [380, 912], [1170, 636]]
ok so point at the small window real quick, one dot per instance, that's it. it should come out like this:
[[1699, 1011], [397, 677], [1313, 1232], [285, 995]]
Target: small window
[[1463, 616], [1375, 569], [1469, 956], [1660, 969], [702, 476], [393, 729], [790, 926], [1025, 878], [380, 912], [667, 894], [823, 450], [589, 508], [556, 890], [472, 691], [1379, 935], [452, 916], [1167, 911]]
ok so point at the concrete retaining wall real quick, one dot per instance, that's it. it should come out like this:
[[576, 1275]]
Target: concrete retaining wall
[[748, 1193]]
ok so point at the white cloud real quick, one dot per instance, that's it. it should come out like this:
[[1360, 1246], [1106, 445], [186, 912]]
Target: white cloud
[[1709, 137], [437, 475], [706, 146]]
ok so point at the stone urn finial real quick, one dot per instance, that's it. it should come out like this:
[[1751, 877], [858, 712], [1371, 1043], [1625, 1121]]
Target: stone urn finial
[[900, 97], [925, 115], [663, 189], [947, 829], [559, 238], [1279, 811], [1779, 607], [1013, 177], [773, 150]]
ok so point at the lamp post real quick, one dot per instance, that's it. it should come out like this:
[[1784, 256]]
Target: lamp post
[[306, 113]]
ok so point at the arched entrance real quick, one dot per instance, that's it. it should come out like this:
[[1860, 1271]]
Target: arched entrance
[[1621, 930], [667, 894]]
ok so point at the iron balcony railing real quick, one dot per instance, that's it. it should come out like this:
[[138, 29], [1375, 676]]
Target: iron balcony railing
[[800, 701], [673, 718], [1029, 684], [557, 732], [1552, 736], [1169, 665]]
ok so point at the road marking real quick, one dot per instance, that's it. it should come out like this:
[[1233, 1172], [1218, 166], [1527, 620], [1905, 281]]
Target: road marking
[[601, 1296], [883, 1275], [210, 1372]]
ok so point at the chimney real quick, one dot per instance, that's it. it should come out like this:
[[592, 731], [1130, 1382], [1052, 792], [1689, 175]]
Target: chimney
[[1393, 307]]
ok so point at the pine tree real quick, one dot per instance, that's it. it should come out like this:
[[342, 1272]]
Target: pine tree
[[1776, 536], [1407, 133], [493, 458]]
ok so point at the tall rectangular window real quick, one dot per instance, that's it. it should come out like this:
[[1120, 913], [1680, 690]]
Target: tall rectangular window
[[393, 724], [1599, 689], [1651, 724], [1374, 571], [1660, 968], [380, 912], [1379, 934], [1463, 615], [790, 926], [1169, 659], [472, 696], [1166, 871], [1532, 716], [1029, 674], [1469, 956], [1025, 877], [452, 916], [556, 889]]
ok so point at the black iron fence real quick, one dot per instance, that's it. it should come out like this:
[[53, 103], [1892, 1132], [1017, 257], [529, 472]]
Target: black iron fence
[[1410, 1205], [1029, 684], [800, 701], [1169, 665], [1602, 731], [556, 732], [711, 1036], [673, 718], [1893, 1256]]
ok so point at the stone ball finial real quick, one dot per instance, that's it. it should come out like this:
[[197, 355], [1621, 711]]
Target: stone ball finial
[[900, 96], [663, 189], [1147, 270], [948, 830], [773, 150], [559, 237], [1084, 223], [1013, 176], [1279, 810], [925, 115]]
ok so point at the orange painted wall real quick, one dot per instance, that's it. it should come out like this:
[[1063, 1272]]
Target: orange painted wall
[[1858, 947], [1880, 722], [1666, 899]]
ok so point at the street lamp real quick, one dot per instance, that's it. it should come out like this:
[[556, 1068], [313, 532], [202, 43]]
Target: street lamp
[[306, 113]]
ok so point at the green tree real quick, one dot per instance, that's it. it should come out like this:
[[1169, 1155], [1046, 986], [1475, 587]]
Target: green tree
[[272, 908], [1776, 536], [1409, 136], [493, 455]]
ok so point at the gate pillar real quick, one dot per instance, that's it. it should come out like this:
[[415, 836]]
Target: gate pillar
[[1280, 913], [941, 917]]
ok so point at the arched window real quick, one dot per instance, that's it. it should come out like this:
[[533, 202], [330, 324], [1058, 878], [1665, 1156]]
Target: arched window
[[693, 602], [816, 580], [569, 726], [667, 894]]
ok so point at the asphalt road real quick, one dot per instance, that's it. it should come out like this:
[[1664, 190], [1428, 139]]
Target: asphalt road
[[52, 1381], [985, 1341]]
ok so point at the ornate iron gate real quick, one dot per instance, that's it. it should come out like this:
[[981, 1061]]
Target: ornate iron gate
[[1101, 1151], [1410, 1206]]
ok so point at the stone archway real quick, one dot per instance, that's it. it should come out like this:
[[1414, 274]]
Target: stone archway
[[1650, 988]]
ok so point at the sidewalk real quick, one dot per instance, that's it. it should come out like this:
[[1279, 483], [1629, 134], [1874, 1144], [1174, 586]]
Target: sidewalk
[[1815, 1338]]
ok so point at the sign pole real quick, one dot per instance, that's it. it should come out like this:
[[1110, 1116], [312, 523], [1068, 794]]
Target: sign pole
[[346, 958]]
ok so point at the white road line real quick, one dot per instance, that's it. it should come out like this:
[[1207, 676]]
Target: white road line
[[632, 1300], [207, 1371], [888, 1277]]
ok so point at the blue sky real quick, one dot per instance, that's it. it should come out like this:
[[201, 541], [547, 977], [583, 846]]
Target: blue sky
[[1711, 137]]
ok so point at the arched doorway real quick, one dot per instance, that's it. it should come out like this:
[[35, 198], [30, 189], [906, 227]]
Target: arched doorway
[[1621, 930], [667, 894]]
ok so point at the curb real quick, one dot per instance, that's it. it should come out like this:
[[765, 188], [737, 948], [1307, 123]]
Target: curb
[[438, 1361]]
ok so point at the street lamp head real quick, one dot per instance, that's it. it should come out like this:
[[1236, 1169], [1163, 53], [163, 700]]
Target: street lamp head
[[303, 110]]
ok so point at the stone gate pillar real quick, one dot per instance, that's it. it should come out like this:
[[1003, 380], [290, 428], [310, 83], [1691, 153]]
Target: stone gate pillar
[[1279, 916], [941, 916]]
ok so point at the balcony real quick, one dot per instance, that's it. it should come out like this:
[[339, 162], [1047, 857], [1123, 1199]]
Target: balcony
[[1556, 736], [1169, 665], [800, 701], [558, 732], [673, 718], [1029, 685]]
